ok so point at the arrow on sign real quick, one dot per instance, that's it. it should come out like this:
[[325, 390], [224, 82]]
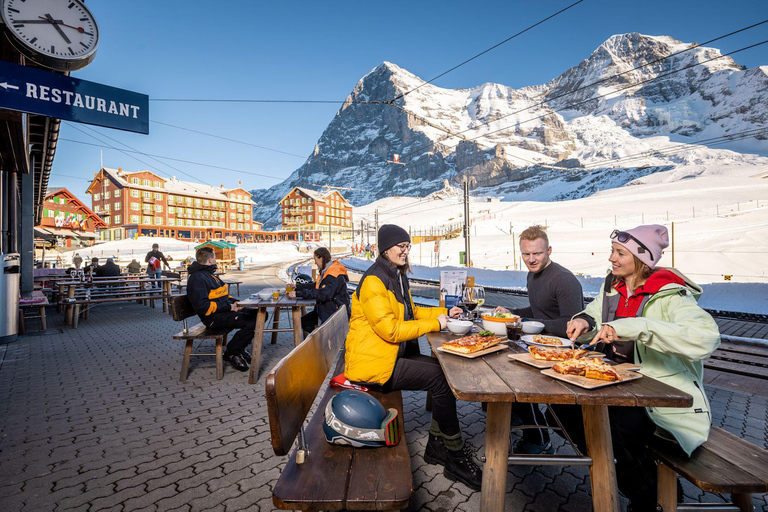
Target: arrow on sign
[[6, 86]]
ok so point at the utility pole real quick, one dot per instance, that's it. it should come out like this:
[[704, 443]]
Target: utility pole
[[376, 217], [673, 244], [466, 222], [330, 241]]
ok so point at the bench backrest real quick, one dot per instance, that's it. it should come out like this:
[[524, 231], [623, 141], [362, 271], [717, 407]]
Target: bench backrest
[[181, 308], [293, 383]]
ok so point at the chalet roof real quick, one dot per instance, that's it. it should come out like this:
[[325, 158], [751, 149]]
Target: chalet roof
[[221, 244], [314, 194], [173, 185]]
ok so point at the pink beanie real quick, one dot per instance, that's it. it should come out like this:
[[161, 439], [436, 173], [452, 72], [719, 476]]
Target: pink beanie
[[653, 236]]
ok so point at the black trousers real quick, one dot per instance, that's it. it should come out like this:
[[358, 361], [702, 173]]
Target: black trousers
[[416, 372], [530, 414], [309, 321], [243, 320], [631, 430]]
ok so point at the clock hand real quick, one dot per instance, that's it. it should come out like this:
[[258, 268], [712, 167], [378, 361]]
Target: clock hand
[[59, 22], [58, 29]]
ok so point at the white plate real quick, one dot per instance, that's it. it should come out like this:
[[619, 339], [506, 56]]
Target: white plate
[[528, 338]]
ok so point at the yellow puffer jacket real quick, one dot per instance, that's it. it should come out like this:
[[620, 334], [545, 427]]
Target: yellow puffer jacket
[[378, 326]]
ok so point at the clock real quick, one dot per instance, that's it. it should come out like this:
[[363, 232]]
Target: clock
[[59, 34]]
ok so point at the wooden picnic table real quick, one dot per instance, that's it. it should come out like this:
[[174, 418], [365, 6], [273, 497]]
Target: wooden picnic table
[[499, 381], [67, 288], [298, 308]]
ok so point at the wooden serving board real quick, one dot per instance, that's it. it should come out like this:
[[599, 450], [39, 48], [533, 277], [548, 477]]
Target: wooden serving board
[[528, 359], [479, 353], [577, 380]]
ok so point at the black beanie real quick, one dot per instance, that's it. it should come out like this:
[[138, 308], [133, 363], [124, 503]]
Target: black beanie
[[391, 235]]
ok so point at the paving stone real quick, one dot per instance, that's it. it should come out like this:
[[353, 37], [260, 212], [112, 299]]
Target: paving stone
[[112, 429]]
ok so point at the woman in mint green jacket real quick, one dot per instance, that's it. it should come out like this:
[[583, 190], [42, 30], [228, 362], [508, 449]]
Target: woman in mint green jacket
[[650, 317]]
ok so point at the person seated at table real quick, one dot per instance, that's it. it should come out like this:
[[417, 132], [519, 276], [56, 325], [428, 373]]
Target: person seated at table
[[649, 316], [382, 351], [329, 290], [555, 295], [216, 308], [91, 267], [109, 269], [134, 267]]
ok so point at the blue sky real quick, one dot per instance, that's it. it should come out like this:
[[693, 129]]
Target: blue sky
[[319, 50]]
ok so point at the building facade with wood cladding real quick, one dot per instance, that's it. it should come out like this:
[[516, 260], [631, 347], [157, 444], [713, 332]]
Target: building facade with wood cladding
[[313, 214], [67, 221], [144, 204]]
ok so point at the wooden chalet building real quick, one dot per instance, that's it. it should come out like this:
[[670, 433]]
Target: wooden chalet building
[[312, 213], [67, 221]]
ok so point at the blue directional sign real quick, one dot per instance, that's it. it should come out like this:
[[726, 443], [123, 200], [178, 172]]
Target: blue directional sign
[[49, 94]]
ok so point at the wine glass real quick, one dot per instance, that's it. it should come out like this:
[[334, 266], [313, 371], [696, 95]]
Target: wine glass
[[470, 302], [479, 295]]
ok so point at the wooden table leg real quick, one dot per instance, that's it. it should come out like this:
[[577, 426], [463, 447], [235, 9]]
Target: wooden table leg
[[666, 488], [43, 321], [167, 294], [743, 501], [258, 335], [496, 452], [298, 335], [22, 327], [275, 324], [76, 316], [69, 308], [602, 473], [59, 298]]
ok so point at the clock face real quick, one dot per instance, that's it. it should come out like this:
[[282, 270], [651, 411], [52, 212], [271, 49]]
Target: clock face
[[60, 34]]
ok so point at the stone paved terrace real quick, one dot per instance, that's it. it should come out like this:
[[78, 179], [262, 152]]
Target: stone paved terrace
[[96, 419]]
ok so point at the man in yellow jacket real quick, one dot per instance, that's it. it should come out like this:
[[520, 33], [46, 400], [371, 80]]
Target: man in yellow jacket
[[382, 351]]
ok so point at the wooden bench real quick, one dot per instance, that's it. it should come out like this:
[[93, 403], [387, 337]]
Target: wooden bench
[[319, 475], [181, 309], [723, 464], [145, 297], [40, 304]]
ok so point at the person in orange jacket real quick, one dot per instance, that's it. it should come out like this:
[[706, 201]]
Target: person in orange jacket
[[329, 291]]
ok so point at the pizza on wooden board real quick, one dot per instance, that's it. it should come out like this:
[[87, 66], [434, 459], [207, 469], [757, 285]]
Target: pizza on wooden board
[[589, 368], [556, 354], [471, 343]]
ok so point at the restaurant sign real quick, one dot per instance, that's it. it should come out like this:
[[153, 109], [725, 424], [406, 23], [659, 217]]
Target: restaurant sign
[[50, 94]]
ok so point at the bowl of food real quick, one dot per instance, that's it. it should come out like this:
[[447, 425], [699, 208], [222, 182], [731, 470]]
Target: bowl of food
[[265, 294], [460, 327], [532, 327], [496, 323]]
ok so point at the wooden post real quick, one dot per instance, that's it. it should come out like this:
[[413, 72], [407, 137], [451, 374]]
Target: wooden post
[[258, 335], [667, 488], [602, 473], [69, 308], [496, 452], [672, 244]]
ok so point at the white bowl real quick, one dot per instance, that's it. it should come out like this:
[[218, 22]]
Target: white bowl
[[498, 326], [265, 294], [532, 327], [460, 327]]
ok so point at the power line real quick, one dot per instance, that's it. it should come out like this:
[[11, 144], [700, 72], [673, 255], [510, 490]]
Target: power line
[[227, 139], [489, 49]]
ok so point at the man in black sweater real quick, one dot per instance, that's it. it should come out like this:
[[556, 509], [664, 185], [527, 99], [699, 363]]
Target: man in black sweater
[[555, 295], [212, 302]]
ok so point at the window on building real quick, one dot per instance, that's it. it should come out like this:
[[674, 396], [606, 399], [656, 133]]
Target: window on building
[[320, 219], [158, 221], [188, 201], [117, 193], [135, 219], [135, 206], [135, 181], [147, 220], [146, 195], [198, 201], [231, 216], [118, 219], [158, 184], [158, 196], [134, 193], [118, 206], [106, 208], [309, 218], [146, 183], [106, 194], [158, 208], [106, 220], [170, 198], [206, 202], [171, 209], [320, 209], [96, 197], [171, 222]]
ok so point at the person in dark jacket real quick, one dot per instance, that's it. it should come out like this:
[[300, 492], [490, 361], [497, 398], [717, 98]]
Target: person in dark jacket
[[154, 269], [91, 267], [109, 269], [216, 308], [330, 290]]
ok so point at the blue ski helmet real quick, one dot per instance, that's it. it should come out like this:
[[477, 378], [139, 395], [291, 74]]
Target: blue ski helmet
[[355, 418]]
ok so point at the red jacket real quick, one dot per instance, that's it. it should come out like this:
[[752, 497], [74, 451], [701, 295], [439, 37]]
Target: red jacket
[[629, 306]]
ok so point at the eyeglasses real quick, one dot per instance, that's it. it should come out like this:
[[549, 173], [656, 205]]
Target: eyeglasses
[[624, 237], [404, 247]]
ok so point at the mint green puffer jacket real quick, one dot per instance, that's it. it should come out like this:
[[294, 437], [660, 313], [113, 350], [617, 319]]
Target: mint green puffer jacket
[[673, 338]]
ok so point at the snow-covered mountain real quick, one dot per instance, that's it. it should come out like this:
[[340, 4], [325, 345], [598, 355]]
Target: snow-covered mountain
[[658, 111]]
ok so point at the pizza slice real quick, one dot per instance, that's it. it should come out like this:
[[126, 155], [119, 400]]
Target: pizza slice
[[547, 340], [555, 354], [471, 344], [600, 371], [571, 367]]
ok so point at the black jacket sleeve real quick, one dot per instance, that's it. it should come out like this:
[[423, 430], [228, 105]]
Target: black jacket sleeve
[[198, 294], [570, 299], [330, 287]]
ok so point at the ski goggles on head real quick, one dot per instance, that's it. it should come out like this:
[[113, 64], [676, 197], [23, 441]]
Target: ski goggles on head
[[624, 237]]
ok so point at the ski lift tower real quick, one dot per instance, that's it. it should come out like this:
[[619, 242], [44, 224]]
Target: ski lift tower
[[396, 160]]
